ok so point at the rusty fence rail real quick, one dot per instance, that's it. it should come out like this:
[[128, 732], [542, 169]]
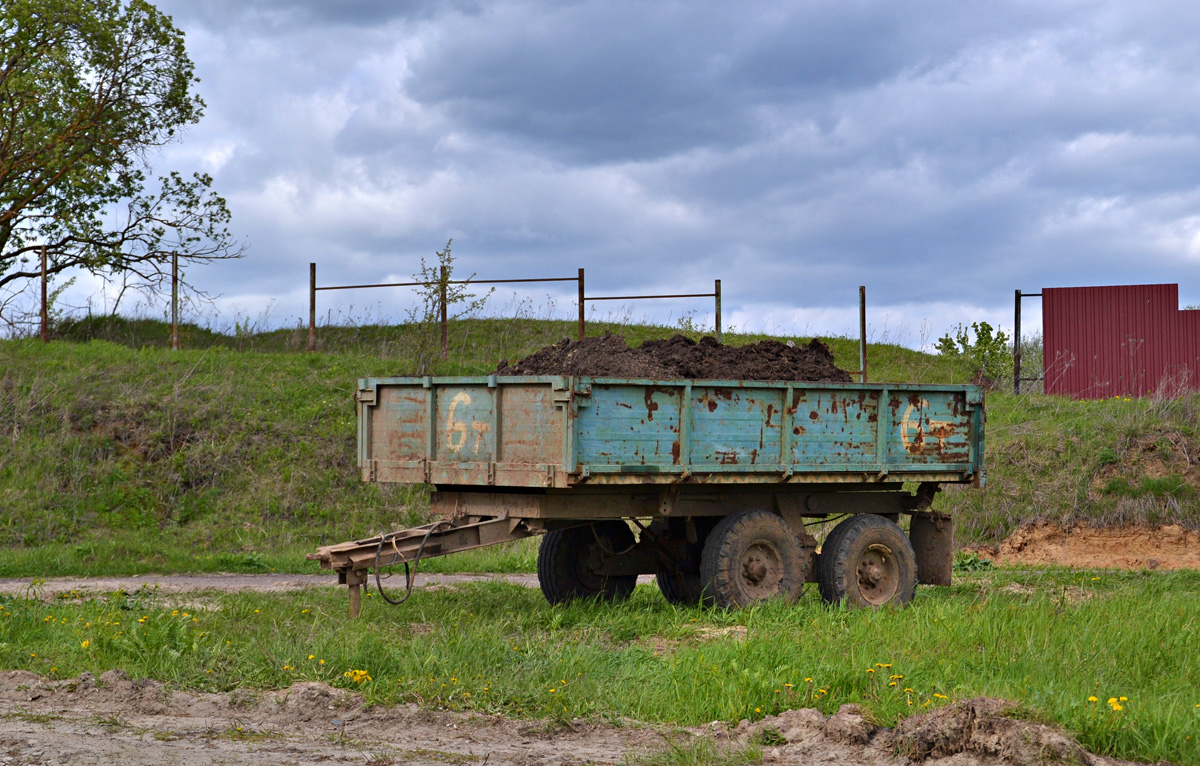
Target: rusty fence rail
[[443, 283]]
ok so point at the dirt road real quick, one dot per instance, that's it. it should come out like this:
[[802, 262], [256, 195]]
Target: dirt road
[[229, 583]]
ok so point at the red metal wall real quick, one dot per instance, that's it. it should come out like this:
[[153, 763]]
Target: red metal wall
[[1126, 340]]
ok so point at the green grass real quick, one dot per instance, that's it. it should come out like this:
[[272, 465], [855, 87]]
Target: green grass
[[119, 456], [1109, 462], [1047, 640]]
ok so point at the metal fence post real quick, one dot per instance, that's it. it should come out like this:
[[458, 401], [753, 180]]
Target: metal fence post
[[45, 311], [581, 304], [442, 300], [862, 332], [312, 307], [1017, 345], [717, 299], [174, 301]]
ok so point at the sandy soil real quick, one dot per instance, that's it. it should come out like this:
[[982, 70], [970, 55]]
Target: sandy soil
[[1168, 547], [116, 720]]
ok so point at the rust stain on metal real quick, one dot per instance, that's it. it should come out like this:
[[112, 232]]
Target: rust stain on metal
[[814, 415], [727, 457], [797, 430], [770, 413], [712, 405], [651, 405], [675, 452]]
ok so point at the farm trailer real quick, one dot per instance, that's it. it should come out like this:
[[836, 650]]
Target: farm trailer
[[721, 479]]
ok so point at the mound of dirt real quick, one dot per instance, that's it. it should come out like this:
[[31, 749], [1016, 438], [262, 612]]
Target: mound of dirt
[[1082, 547], [681, 357], [137, 722]]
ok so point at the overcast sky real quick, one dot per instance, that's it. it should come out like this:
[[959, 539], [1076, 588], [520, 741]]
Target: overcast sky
[[943, 154]]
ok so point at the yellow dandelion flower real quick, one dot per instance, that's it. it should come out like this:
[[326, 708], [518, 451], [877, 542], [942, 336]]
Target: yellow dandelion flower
[[85, 644], [1093, 698]]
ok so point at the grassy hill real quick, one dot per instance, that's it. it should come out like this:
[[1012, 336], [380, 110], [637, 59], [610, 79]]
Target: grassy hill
[[237, 453]]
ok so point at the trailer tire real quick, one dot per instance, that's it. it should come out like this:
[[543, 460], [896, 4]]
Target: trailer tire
[[568, 560], [680, 588], [867, 561], [751, 556], [680, 581]]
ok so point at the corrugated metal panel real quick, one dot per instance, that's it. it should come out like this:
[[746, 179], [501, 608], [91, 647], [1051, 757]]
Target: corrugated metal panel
[[1125, 340]]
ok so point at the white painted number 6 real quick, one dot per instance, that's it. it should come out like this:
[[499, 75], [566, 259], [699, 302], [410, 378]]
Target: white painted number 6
[[456, 432]]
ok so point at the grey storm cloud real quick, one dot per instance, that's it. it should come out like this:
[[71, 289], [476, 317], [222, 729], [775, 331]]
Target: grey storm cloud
[[943, 154]]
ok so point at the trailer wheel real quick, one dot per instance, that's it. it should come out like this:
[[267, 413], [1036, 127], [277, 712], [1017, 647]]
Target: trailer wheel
[[867, 561], [751, 556], [569, 561], [681, 588], [681, 582]]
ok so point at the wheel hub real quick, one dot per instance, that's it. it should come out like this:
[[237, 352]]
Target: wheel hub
[[761, 569], [878, 574]]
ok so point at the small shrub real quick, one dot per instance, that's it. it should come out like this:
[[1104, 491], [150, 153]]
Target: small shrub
[[990, 350]]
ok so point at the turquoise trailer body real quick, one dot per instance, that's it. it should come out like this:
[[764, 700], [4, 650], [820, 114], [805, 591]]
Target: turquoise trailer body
[[562, 432]]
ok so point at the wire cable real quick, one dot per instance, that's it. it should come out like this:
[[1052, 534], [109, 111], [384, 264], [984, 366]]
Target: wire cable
[[409, 577]]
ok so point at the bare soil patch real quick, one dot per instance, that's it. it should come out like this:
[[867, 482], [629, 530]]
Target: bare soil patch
[[1082, 547], [117, 720], [681, 357]]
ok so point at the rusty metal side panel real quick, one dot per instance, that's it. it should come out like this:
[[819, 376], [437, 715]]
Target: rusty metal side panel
[[531, 425], [467, 431], [560, 432], [735, 426], [737, 431], [835, 428], [928, 427], [630, 426], [465, 423], [397, 421]]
